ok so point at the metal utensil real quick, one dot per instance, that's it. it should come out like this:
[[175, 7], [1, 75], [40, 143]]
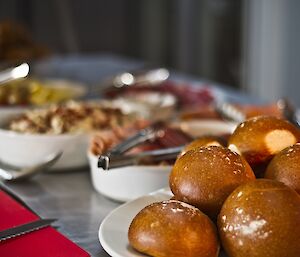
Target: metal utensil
[[25, 228], [288, 111], [115, 161], [229, 112], [146, 134], [10, 173], [11, 74], [145, 77]]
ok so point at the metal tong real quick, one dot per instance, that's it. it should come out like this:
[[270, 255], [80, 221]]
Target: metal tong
[[230, 112], [143, 77], [116, 158], [147, 157], [288, 111], [14, 73]]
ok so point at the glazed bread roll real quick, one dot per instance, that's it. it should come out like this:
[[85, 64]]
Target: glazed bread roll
[[261, 219], [285, 167], [203, 141], [260, 138], [204, 177], [173, 229]]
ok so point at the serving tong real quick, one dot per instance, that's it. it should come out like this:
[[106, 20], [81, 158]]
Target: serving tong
[[288, 111], [230, 112], [116, 157], [14, 73], [147, 157], [142, 77]]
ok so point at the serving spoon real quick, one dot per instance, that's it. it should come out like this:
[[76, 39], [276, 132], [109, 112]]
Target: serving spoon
[[9, 173]]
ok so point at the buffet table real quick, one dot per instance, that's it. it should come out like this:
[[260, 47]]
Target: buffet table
[[69, 196]]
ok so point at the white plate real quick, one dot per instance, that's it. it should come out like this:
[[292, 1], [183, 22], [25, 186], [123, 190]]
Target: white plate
[[113, 229]]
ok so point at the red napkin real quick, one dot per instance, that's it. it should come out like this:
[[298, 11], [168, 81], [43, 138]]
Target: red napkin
[[46, 242]]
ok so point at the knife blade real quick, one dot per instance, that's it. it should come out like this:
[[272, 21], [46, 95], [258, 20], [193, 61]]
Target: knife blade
[[24, 228]]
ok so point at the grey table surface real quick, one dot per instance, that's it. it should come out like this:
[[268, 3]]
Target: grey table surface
[[69, 196]]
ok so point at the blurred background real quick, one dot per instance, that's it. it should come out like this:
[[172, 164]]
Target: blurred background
[[251, 45]]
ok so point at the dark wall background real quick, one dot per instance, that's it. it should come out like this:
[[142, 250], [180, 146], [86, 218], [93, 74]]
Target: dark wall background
[[201, 37]]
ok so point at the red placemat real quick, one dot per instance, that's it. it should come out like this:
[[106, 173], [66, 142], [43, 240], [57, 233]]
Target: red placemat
[[46, 242]]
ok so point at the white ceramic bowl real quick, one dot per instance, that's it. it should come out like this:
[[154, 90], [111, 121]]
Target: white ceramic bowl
[[127, 183], [23, 150]]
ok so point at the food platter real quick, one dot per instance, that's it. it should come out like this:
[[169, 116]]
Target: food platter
[[113, 230]]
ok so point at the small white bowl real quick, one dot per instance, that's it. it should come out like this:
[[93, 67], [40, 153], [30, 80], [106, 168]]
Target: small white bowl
[[127, 183]]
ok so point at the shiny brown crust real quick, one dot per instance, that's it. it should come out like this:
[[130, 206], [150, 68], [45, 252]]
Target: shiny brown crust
[[204, 141], [285, 167], [204, 177], [249, 138], [261, 219], [173, 229]]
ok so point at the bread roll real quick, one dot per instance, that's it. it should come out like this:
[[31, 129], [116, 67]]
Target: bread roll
[[261, 219], [204, 141], [285, 167], [260, 138], [204, 177], [173, 229]]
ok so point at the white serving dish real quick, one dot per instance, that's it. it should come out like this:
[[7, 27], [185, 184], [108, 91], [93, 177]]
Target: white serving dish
[[127, 183], [23, 150], [149, 105], [197, 128], [114, 228]]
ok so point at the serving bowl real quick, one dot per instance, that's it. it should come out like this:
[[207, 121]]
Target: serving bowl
[[32, 92], [24, 150], [127, 183], [71, 89]]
